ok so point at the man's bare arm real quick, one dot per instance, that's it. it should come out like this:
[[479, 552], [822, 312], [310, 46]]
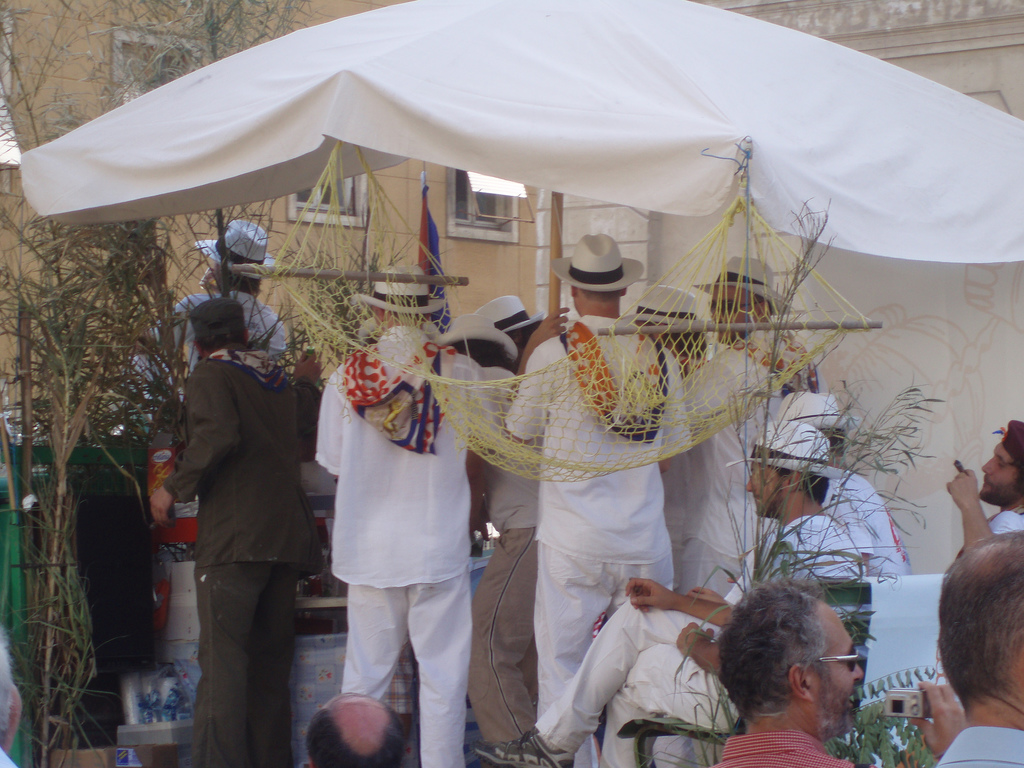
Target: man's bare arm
[[550, 327], [964, 490]]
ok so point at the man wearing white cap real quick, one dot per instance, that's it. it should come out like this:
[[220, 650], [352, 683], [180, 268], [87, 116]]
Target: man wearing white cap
[[401, 524], [245, 243], [851, 498], [647, 662], [597, 533]]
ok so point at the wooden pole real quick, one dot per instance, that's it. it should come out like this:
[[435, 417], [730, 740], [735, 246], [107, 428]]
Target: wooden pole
[[353, 275], [709, 326], [554, 284], [25, 374]]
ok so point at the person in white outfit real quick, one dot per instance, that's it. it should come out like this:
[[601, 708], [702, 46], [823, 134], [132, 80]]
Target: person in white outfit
[[851, 498], [10, 703], [705, 486], [503, 661], [245, 243], [651, 659], [597, 533], [401, 523], [688, 477]]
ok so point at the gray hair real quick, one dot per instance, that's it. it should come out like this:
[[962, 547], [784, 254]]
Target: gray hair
[[775, 627], [981, 619], [6, 687]]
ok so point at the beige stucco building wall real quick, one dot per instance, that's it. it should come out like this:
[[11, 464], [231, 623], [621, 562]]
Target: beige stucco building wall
[[952, 330], [64, 69]]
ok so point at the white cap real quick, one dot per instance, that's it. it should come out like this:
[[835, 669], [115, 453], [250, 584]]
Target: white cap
[[247, 241], [798, 447], [666, 303]]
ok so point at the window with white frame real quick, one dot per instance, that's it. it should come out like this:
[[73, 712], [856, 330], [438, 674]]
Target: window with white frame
[[315, 205], [483, 207], [10, 152], [143, 61]]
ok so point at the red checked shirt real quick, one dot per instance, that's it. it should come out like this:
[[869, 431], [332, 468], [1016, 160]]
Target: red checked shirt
[[777, 749]]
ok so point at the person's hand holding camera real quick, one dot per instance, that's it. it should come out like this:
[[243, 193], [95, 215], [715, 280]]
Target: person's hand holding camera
[[947, 718]]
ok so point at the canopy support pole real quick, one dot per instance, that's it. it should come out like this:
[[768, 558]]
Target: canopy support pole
[[356, 276], [710, 326], [554, 283]]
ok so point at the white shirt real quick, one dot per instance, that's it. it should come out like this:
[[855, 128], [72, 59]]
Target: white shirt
[[812, 547], [986, 747], [853, 500], [705, 486], [706, 496], [820, 548], [401, 517], [511, 499], [266, 331], [1007, 521], [613, 518]]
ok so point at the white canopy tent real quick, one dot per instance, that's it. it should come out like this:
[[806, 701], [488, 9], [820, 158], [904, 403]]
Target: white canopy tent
[[637, 102]]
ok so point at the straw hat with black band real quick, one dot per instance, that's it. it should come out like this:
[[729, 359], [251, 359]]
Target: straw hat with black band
[[751, 275], [508, 313], [403, 298], [597, 265], [475, 326]]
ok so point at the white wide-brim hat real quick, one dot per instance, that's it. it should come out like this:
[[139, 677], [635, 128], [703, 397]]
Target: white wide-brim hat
[[751, 274], [597, 265], [821, 411], [796, 446], [666, 303], [475, 326], [407, 298], [245, 240], [508, 313]]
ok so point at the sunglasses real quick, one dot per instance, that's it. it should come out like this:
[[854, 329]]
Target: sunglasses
[[852, 660]]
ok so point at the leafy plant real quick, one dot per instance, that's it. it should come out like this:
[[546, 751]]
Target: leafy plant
[[96, 302]]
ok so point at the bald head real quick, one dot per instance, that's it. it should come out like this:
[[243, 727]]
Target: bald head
[[361, 721], [355, 731]]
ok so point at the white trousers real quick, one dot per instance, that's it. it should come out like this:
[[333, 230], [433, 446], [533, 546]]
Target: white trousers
[[436, 619], [572, 593], [635, 668]]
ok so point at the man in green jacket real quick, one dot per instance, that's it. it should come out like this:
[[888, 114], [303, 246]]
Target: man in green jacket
[[256, 536]]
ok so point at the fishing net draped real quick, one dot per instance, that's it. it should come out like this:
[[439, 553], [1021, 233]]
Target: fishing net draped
[[663, 377]]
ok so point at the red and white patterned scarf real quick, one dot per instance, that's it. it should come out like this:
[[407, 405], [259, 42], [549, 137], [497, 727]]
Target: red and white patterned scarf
[[399, 404], [629, 397]]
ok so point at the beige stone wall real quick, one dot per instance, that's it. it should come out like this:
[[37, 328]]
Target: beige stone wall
[[950, 329], [65, 74]]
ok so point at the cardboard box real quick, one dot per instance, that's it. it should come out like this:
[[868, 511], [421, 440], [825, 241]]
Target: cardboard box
[[140, 756]]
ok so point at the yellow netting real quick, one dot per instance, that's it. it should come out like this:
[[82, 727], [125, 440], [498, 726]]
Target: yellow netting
[[589, 411]]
